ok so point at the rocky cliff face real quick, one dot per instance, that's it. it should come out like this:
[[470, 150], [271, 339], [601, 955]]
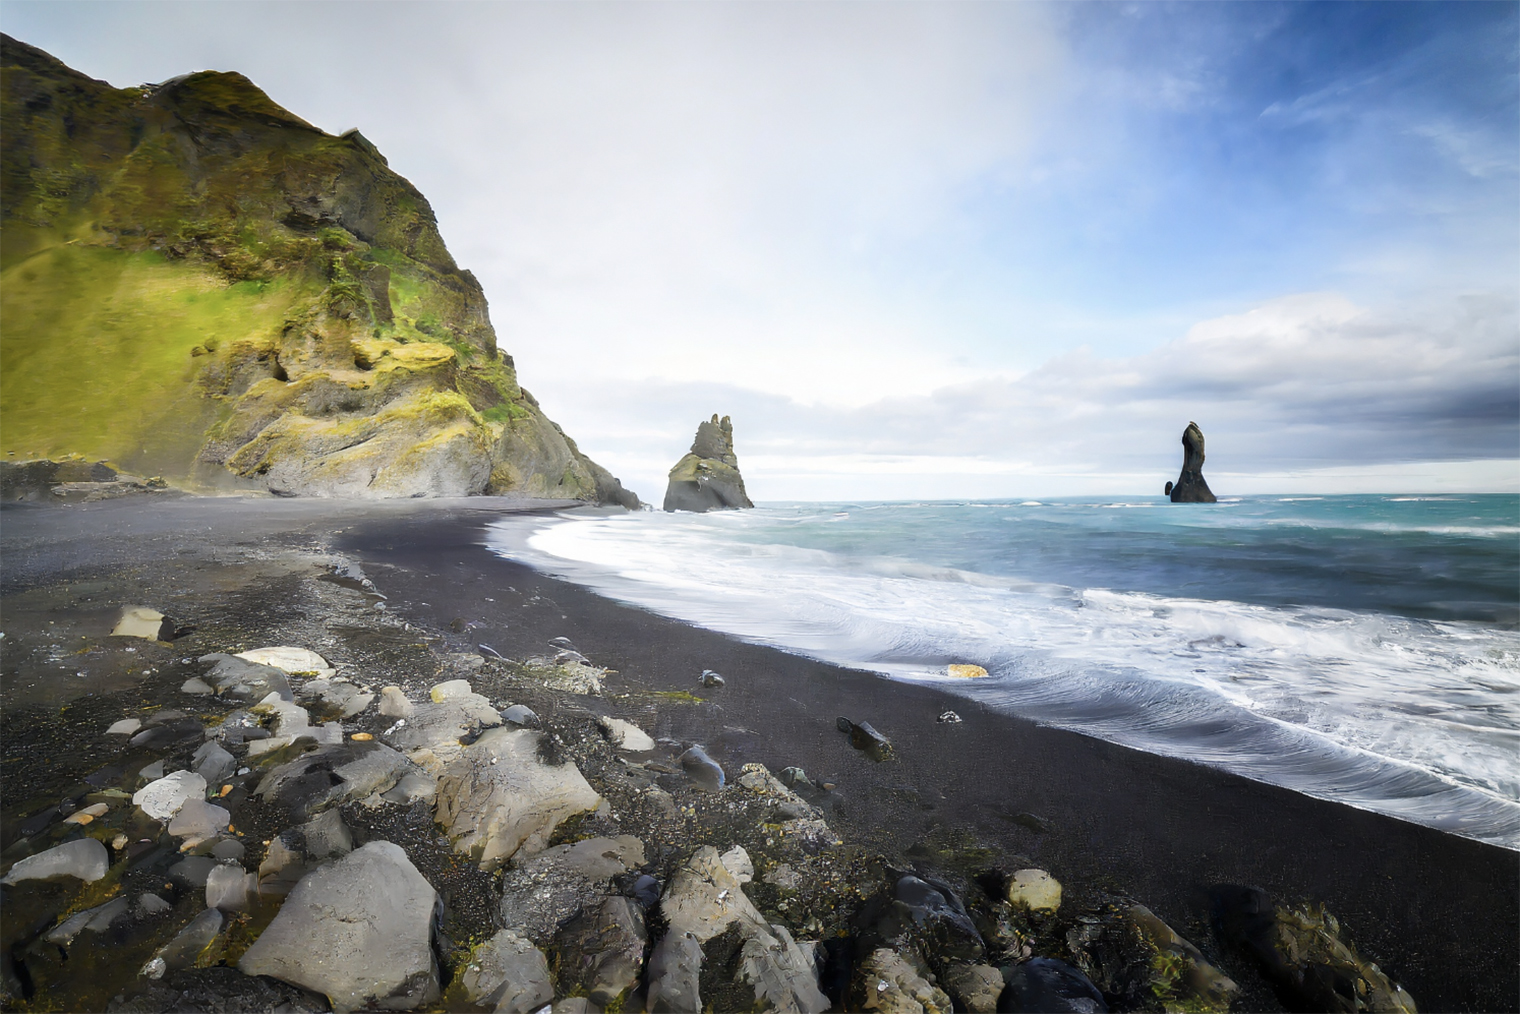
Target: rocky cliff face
[[197, 282], [1190, 486], [708, 478]]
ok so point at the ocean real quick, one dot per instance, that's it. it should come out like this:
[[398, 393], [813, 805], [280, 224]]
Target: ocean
[[1362, 649]]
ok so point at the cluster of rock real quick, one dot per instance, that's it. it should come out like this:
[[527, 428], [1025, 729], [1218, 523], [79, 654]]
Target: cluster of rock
[[628, 873], [372, 369], [70, 480], [707, 477]]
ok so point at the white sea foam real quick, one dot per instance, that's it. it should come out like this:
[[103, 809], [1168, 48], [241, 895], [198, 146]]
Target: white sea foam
[[1411, 717]]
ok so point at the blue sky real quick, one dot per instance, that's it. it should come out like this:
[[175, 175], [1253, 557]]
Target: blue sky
[[946, 249]]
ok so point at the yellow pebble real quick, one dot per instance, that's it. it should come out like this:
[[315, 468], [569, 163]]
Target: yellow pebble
[[225, 789], [967, 672], [78, 818], [362, 737]]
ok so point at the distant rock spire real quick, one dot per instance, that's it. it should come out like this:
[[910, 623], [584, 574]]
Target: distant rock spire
[[708, 478], [1190, 486]]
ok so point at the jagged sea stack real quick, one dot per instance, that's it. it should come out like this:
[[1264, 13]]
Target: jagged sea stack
[[708, 478], [1190, 486]]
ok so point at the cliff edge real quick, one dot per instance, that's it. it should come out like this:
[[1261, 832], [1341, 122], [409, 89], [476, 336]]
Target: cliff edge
[[198, 283], [707, 477]]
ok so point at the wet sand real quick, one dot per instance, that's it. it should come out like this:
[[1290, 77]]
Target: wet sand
[[1440, 914]]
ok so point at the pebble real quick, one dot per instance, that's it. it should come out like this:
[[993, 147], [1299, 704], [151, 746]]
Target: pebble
[[196, 685], [361, 737], [521, 714], [125, 727], [949, 718], [966, 672], [702, 769], [1035, 890], [86, 815], [449, 690], [710, 679]]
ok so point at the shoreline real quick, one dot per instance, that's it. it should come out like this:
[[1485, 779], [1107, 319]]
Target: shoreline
[[1433, 908], [1437, 912]]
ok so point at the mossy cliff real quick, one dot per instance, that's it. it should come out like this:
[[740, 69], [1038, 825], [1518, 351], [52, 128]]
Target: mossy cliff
[[197, 283], [707, 477]]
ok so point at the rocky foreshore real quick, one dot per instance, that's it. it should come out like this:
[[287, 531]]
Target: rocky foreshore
[[284, 790]]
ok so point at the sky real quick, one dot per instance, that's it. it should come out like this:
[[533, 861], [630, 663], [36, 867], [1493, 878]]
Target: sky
[[945, 250]]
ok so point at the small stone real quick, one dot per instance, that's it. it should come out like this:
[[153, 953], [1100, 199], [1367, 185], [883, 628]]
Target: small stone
[[184, 949], [152, 771], [152, 904], [193, 871], [125, 727], [197, 686], [361, 737], [162, 799], [710, 678], [866, 739], [87, 815], [795, 778], [228, 849], [86, 859], [120, 842], [948, 718], [197, 820], [508, 974], [212, 762], [965, 672], [1036, 890]]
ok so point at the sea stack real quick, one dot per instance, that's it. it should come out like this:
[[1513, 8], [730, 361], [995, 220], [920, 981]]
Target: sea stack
[[1190, 486], [708, 478]]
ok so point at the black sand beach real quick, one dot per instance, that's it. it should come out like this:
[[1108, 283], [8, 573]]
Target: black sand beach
[[1440, 914]]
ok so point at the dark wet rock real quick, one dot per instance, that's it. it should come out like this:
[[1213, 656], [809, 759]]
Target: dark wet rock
[[216, 990], [646, 891], [228, 849], [85, 859], [331, 775], [508, 974], [239, 727], [600, 953], [702, 769], [248, 680], [521, 714], [187, 945], [169, 733], [1177, 970], [192, 872], [710, 679], [358, 930], [1190, 486], [1303, 954], [796, 778], [198, 820], [886, 981], [296, 851], [1049, 986], [925, 917], [499, 796], [707, 477], [97, 920], [948, 718], [125, 727], [541, 893], [213, 763], [675, 969], [337, 696], [866, 739], [152, 904]]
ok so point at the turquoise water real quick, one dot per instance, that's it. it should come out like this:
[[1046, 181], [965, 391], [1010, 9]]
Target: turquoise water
[[1358, 648]]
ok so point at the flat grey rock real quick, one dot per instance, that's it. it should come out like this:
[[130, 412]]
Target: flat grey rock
[[86, 859], [358, 930], [508, 973]]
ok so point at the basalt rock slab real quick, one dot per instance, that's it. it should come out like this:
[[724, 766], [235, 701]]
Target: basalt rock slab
[[1049, 986], [600, 953], [707, 477], [500, 796], [1190, 486], [541, 893], [358, 930], [251, 681], [508, 974], [85, 859], [331, 775]]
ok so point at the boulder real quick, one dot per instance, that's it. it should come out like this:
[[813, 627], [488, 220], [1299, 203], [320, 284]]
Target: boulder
[[499, 796], [294, 661], [508, 974], [213, 763], [332, 774], [198, 820], [1190, 486], [975, 987], [358, 930], [187, 946], [249, 680], [865, 738], [625, 735], [542, 892], [430, 736], [1304, 954], [675, 969], [600, 953], [1035, 890], [708, 478], [1050, 986], [886, 982], [1188, 974], [702, 769], [925, 917], [229, 888]]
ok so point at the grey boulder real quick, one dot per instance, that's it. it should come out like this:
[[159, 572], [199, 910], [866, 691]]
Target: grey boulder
[[358, 930], [508, 973], [86, 859]]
